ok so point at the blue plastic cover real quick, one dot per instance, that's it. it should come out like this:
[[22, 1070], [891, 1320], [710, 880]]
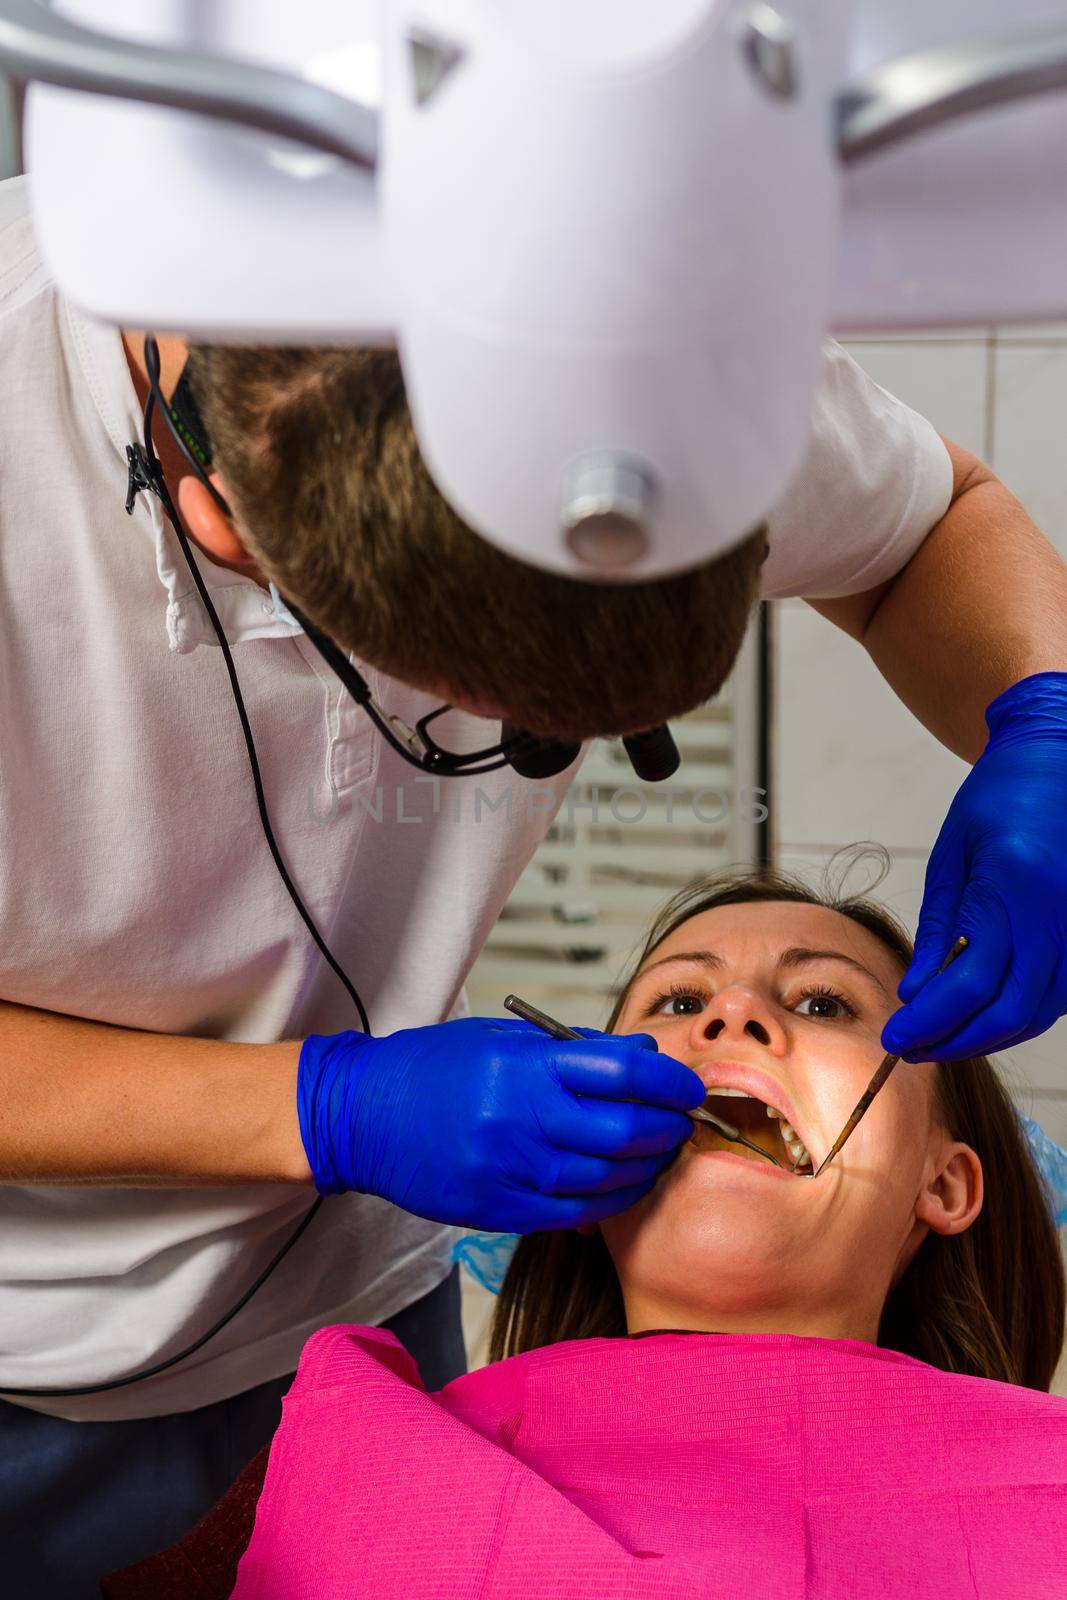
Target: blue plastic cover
[[1051, 1162], [486, 1257]]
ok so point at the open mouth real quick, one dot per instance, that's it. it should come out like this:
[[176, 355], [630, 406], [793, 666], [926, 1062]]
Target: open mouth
[[761, 1124]]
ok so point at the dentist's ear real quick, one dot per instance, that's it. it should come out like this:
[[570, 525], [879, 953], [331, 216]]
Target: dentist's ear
[[211, 529], [953, 1197]]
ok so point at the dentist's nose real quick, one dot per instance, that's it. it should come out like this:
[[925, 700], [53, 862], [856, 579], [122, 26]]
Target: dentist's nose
[[739, 1013]]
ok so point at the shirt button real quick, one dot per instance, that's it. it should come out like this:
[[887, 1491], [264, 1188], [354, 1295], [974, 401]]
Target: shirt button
[[268, 608]]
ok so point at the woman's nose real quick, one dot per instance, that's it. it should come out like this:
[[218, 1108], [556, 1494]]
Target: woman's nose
[[739, 1013]]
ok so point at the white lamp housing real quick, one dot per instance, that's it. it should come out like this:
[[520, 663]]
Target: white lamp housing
[[575, 305], [606, 236]]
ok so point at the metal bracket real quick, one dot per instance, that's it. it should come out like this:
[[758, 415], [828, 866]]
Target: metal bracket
[[608, 510], [934, 87], [433, 61], [39, 46], [769, 43]]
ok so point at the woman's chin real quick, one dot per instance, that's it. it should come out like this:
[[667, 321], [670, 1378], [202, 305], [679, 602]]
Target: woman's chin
[[698, 1229]]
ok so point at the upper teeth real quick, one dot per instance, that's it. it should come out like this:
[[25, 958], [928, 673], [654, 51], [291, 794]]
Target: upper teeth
[[793, 1142]]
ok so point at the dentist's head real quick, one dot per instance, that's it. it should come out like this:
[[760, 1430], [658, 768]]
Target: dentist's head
[[316, 452]]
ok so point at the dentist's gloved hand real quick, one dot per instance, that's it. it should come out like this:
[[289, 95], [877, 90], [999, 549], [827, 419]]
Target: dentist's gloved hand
[[998, 874], [491, 1124]]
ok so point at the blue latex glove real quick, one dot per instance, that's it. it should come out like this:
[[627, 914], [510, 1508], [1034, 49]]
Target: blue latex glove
[[480, 1123], [998, 874]]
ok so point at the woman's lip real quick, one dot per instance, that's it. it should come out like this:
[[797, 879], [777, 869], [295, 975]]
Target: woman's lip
[[754, 1081]]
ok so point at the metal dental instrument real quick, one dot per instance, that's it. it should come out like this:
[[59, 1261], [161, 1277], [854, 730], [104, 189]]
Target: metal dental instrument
[[559, 1030], [877, 1082]]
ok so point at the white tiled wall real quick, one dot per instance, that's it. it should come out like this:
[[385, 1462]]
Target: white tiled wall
[[850, 762], [1029, 432], [1030, 427]]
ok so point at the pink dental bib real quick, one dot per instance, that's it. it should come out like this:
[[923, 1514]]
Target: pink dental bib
[[662, 1468]]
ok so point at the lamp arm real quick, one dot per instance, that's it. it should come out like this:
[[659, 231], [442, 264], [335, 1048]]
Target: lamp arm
[[931, 88], [38, 45]]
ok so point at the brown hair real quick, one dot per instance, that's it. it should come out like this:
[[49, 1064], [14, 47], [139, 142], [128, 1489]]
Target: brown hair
[[988, 1302], [319, 458]]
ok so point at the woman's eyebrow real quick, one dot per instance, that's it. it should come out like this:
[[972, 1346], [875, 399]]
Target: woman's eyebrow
[[798, 956], [699, 958]]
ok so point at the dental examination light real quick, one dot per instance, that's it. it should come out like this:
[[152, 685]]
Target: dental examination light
[[606, 236]]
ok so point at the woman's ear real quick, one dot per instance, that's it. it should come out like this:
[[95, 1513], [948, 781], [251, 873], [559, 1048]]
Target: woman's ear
[[951, 1200], [209, 527]]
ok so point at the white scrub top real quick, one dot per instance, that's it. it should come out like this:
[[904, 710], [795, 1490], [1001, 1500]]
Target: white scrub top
[[136, 887]]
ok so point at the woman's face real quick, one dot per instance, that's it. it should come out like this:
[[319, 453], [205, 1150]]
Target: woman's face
[[784, 1005]]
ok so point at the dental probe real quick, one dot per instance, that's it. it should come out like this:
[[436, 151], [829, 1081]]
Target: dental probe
[[878, 1081], [559, 1030]]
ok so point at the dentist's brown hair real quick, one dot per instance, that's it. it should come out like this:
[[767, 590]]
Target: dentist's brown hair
[[318, 456], [989, 1302]]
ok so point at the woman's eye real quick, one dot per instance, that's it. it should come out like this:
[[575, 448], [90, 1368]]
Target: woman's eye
[[825, 1007], [679, 1005]]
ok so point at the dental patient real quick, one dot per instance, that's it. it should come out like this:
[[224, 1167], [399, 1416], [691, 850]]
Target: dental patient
[[753, 1382]]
